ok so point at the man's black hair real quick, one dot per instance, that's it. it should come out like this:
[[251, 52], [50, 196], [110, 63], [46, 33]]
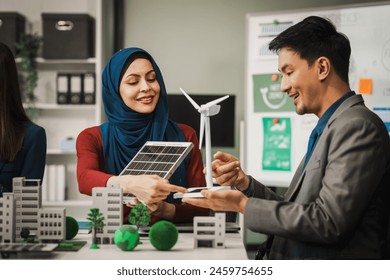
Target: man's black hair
[[314, 37]]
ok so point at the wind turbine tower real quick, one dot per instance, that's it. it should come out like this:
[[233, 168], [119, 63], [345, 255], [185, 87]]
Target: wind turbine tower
[[206, 111]]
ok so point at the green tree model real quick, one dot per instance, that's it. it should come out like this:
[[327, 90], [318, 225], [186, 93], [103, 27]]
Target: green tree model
[[139, 215], [25, 233], [96, 218]]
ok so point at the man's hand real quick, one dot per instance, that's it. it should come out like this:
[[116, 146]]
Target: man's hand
[[227, 171], [224, 200]]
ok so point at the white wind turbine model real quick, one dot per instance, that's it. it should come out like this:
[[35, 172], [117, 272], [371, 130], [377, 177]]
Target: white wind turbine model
[[206, 111]]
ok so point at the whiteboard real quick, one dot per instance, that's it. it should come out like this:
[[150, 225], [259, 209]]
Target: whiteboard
[[275, 136]]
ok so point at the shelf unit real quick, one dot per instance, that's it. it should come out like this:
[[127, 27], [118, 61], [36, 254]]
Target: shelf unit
[[63, 121], [68, 120]]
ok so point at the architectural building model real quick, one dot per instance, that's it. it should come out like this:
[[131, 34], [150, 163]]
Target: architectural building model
[[109, 201], [209, 231], [23, 209], [51, 224], [7, 215]]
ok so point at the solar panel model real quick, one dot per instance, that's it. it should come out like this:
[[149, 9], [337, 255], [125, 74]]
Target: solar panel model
[[7, 249], [156, 158]]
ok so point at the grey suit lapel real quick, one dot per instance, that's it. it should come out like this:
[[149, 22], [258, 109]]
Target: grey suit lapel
[[299, 175], [350, 102], [296, 182]]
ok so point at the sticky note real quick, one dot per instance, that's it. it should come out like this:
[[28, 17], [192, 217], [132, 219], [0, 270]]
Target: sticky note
[[365, 86], [275, 77]]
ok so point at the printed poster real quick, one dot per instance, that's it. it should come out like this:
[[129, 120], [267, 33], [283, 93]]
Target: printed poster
[[384, 114], [277, 144], [267, 96]]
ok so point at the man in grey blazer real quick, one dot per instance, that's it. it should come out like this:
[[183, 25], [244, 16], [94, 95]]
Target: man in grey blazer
[[337, 205]]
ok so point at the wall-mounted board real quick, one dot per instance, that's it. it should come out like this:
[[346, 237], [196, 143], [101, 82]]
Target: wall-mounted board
[[275, 136]]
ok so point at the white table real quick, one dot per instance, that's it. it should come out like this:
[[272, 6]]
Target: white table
[[183, 250]]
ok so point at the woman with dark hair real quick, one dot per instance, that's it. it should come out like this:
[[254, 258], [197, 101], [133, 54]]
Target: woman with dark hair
[[135, 102], [22, 143]]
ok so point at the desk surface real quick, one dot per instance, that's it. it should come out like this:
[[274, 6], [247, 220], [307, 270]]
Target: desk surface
[[183, 250]]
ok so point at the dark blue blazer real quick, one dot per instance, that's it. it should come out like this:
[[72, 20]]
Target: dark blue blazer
[[30, 160]]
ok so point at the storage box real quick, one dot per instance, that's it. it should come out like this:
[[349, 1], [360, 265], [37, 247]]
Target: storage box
[[12, 26], [67, 36]]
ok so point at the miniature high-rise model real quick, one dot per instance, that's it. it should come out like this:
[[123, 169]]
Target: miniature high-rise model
[[28, 196], [109, 201], [7, 221]]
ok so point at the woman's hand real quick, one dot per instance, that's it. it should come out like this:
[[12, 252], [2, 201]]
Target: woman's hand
[[227, 171], [150, 189]]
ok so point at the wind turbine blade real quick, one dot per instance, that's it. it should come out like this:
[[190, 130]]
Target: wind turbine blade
[[216, 101], [197, 107], [201, 130]]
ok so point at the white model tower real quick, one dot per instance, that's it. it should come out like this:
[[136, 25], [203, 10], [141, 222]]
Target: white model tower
[[109, 200], [206, 111]]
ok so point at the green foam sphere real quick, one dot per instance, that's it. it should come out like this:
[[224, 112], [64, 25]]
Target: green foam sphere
[[163, 235], [72, 228], [126, 237]]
